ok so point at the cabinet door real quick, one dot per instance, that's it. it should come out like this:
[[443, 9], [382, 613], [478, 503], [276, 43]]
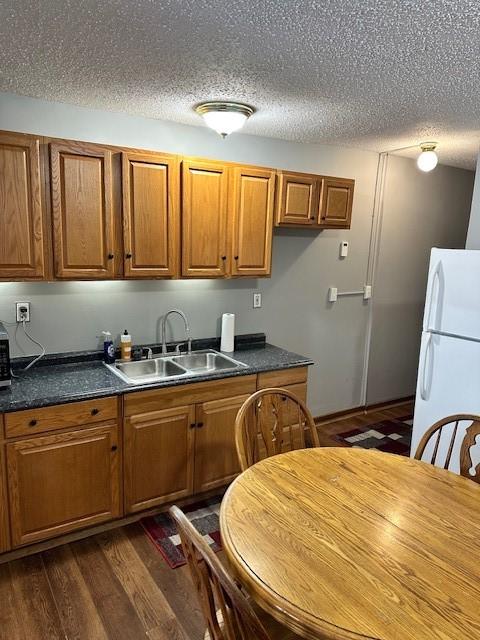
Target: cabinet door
[[4, 531], [82, 212], [204, 219], [21, 209], [216, 460], [253, 192], [63, 482], [150, 214], [158, 457], [298, 198], [336, 203]]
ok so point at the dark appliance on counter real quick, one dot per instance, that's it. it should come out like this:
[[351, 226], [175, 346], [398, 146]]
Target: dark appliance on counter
[[5, 373]]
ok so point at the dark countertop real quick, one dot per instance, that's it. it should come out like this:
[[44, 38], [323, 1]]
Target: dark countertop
[[68, 382]]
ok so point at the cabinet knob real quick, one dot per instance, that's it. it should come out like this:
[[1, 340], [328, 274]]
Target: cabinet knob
[[110, 256], [94, 412], [114, 447], [128, 256], [32, 423], [200, 425], [236, 257], [224, 257], [193, 425], [284, 398], [312, 217]]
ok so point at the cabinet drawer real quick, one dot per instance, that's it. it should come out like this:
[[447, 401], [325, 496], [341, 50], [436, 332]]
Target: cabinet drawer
[[32, 421], [158, 399], [282, 378]]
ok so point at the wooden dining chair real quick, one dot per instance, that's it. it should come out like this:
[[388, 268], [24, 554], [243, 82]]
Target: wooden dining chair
[[272, 421], [228, 611], [435, 433]]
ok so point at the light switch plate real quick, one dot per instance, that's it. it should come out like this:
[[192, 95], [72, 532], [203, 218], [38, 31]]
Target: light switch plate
[[257, 300]]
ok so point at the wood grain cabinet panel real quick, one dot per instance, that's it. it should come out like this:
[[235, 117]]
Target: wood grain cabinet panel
[[4, 519], [150, 214], [63, 482], [252, 201], [82, 211], [30, 422], [336, 203], [204, 219], [21, 208], [298, 199], [158, 457], [216, 460]]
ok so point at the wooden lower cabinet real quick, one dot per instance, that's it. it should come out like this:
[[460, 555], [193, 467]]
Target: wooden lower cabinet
[[61, 482], [216, 460], [4, 529], [158, 457], [61, 467]]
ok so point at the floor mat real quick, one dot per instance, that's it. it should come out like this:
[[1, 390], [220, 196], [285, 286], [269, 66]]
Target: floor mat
[[393, 436], [162, 531]]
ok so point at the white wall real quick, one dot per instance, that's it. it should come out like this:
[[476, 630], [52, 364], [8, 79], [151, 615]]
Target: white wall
[[420, 211], [295, 312], [473, 237]]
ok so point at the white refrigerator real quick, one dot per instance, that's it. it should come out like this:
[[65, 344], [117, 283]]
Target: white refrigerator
[[449, 366]]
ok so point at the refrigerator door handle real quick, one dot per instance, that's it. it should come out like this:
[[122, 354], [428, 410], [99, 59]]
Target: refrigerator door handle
[[430, 291], [423, 369]]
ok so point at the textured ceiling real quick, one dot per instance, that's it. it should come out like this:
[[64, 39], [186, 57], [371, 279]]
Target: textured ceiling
[[376, 74]]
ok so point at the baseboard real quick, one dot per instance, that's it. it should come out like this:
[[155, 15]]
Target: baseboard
[[361, 410]]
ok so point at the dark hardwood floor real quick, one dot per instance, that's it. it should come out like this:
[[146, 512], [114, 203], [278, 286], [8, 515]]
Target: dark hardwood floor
[[327, 430], [114, 585]]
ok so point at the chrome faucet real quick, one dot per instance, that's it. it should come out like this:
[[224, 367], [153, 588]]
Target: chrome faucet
[[187, 330]]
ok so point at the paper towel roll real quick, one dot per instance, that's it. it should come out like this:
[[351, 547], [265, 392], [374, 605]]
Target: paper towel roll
[[228, 332]]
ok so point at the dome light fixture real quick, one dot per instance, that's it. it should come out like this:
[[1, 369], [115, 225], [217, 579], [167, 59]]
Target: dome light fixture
[[224, 117], [428, 159]]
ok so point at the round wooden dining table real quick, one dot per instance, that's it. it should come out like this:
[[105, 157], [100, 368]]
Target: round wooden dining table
[[344, 543]]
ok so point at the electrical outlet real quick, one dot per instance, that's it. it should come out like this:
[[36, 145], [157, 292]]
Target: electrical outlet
[[257, 300], [22, 311]]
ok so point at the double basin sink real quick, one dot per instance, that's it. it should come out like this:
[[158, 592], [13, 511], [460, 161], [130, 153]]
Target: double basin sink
[[168, 367]]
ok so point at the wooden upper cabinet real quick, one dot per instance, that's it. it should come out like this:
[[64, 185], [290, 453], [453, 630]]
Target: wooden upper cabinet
[[297, 199], [252, 203], [204, 219], [151, 197], [21, 208], [62, 482], [82, 211], [336, 203]]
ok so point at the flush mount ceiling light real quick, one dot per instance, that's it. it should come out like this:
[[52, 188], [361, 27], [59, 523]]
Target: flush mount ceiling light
[[224, 117], [428, 159]]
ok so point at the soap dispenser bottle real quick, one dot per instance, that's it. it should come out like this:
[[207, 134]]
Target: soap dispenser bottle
[[108, 348], [126, 345]]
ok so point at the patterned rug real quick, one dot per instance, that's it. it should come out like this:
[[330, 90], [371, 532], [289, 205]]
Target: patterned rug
[[393, 436], [163, 533]]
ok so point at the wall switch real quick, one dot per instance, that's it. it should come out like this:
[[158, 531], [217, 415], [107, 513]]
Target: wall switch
[[332, 294], [344, 249], [367, 292], [257, 300], [22, 311]]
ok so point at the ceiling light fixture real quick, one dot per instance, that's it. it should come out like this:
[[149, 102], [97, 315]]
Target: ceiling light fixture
[[428, 159], [224, 117]]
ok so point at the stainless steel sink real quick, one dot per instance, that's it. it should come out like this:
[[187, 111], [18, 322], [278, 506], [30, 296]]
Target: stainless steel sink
[[167, 367], [205, 361], [146, 370]]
